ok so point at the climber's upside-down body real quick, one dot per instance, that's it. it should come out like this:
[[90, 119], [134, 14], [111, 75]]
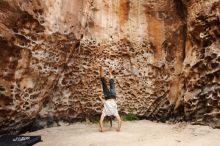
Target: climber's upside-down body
[[110, 106]]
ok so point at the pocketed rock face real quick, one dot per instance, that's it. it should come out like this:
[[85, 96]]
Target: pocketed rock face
[[31, 64], [165, 57], [202, 68], [146, 64]]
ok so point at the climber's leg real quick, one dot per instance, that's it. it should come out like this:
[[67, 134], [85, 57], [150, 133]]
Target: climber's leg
[[112, 91], [104, 84]]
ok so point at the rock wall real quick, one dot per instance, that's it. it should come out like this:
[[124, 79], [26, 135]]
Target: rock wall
[[165, 57], [201, 64]]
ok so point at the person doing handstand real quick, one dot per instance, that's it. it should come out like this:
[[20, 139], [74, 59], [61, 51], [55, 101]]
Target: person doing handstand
[[110, 106]]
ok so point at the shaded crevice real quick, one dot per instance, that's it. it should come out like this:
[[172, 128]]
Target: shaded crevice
[[182, 12], [181, 9]]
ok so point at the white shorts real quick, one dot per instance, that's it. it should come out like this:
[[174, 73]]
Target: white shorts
[[110, 108]]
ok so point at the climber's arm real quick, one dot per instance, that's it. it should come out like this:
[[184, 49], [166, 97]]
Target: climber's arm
[[100, 97]]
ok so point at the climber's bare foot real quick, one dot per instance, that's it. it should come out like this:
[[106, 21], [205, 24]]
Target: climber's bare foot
[[101, 71], [110, 73]]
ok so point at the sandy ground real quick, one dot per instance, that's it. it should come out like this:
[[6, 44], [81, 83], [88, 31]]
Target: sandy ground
[[134, 133]]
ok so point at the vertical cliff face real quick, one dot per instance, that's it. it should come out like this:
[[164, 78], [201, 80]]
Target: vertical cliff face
[[165, 57], [201, 66], [32, 60], [143, 42]]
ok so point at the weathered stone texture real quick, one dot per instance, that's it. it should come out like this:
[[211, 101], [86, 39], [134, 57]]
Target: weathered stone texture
[[201, 65], [165, 56]]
